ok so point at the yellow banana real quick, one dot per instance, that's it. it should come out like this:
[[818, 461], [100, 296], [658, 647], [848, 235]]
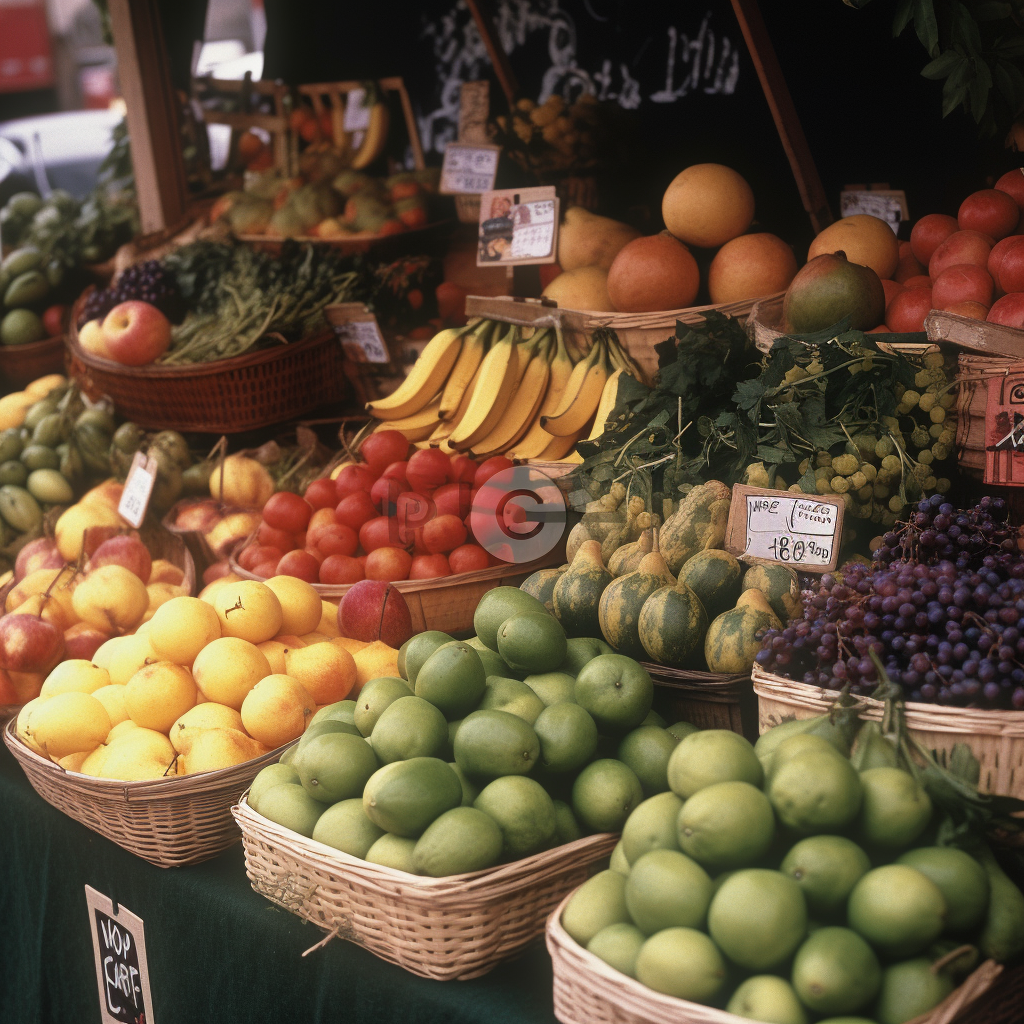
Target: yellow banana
[[374, 139], [559, 448], [537, 439], [443, 432], [474, 348], [607, 404], [582, 394], [425, 378], [525, 403], [498, 375], [618, 356], [417, 427]]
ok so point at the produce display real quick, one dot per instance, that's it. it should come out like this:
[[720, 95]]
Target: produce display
[[393, 516], [801, 879], [940, 604], [478, 751], [182, 684], [487, 390]]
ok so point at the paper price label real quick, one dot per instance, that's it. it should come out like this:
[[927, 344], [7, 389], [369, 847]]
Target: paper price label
[[137, 490], [779, 526], [357, 113], [468, 170], [1004, 429], [890, 206], [362, 342], [122, 971], [518, 226]]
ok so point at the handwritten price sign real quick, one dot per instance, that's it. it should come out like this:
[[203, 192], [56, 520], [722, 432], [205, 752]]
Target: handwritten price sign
[[802, 531], [468, 170]]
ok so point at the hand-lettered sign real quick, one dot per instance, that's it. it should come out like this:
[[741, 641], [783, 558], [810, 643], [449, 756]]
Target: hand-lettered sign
[[122, 972], [799, 530], [518, 225], [1004, 429]]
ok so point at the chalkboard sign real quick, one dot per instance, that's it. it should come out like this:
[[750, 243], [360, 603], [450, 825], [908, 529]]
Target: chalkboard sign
[[122, 973]]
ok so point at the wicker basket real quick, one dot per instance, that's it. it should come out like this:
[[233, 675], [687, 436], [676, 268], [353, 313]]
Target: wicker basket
[[588, 991], [996, 738], [168, 822], [709, 700], [226, 396], [447, 603], [22, 364], [448, 929]]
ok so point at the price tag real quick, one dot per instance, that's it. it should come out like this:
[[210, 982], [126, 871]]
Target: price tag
[[1004, 429], [357, 330], [137, 489], [468, 170], [122, 972], [518, 226], [357, 113], [802, 531], [888, 205]]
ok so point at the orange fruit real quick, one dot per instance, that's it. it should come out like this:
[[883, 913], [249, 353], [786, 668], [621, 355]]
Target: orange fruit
[[707, 205], [751, 266], [652, 273], [866, 240]]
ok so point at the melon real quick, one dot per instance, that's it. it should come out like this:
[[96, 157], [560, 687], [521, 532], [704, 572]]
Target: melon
[[578, 591], [732, 640], [699, 523], [672, 625], [830, 288], [541, 585], [780, 586], [714, 576], [623, 600], [653, 273], [583, 288]]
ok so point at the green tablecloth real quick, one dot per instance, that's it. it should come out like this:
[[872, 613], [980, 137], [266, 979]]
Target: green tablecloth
[[218, 952]]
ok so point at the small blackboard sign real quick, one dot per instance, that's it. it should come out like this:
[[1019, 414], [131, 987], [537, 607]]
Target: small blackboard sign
[[122, 973]]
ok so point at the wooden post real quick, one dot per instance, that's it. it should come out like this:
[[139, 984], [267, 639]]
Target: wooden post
[[499, 59], [787, 122], [152, 112]]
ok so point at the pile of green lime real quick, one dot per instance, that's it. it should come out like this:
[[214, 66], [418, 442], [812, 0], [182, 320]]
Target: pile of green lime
[[780, 883], [485, 750]]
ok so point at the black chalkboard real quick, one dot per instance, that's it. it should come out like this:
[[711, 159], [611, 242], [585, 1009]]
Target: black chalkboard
[[120, 970]]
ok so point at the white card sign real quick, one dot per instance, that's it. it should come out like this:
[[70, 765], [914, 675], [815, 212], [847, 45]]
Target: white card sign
[[359, 333], [468, 170], [799, 530], [122, 971], [138, 488], [518, 225], [357, 113], [888, 205]]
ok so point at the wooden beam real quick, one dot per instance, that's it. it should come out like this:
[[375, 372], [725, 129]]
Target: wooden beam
[[152, 112], [499, 58], [787, 122]]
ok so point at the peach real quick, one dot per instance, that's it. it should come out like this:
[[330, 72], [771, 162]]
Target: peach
[[929, 233], [321, 494], [321, 518], [908, 265], [1012, 182], [136, 333], [1008, 264], [325, 670], [964, 282], [990, 211], [357, 508], [429, 567], [341, 569], [965, 246], [1008, 311], [375, 610], [127, 550], [301, 564], [907, 311], [336, 540], [388, 563], [468, 558]]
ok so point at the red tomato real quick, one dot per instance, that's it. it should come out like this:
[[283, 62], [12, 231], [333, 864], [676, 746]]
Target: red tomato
[[352, 479], [444, 534], [322, 493], [468, 558], [266, 534], [341, 569], [428, 468], [355, 509], [453, 499], [301, 564], [384, 447], [378, 533], [489, 468], [429, 567], [287, 511], [463, 469]]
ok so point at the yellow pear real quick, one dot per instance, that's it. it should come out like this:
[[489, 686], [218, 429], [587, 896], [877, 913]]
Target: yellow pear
[[227, 669], [275, 651], [159, 595], [587, 240], [277, 710], [248, 610], [372, 662], [300, 604], [111, 598], [182, 627], [314, 638], [213, 749], [68, 723], [348, 644], [112, 699], [74, 762], [93, 763], [105, 651], [328, 624], [326, 671], [131, 654], [77, 674], [120, 729], [55, 607], [159, 694], [37, 583], [210, 591], [138, 755], [163, 571], [21, 725], [69, 531], [209, 715]]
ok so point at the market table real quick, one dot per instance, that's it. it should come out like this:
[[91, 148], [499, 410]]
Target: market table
[[218, 953]]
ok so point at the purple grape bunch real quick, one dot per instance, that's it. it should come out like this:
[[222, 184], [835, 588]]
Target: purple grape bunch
[[942, 605], [147, 282]]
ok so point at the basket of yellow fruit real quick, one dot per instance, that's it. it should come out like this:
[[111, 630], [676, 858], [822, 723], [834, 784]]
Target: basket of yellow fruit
[[151, 741]]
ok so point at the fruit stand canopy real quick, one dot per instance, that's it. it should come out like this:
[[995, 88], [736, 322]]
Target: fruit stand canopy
[[217, 951]]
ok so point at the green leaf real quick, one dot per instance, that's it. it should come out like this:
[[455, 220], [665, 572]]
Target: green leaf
[[808, 482], [901, 19], [942, 65], [955, 89], [964, 30], [1010, 82], [748, 394], [979, 90], [963, 764], [926, 26], [774, 454]]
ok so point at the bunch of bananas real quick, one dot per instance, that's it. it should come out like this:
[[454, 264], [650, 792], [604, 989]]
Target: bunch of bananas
[[488, 389]]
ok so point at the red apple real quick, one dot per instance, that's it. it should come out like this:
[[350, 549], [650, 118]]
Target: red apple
[[29, 643], [375, 610], [1008, 311], [40, 553], [127, 550], [201, 515], [136, 333], [53, 320], [82, 641]]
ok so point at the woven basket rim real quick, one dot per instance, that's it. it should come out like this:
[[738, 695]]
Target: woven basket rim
[[32, 348], [920, 716], [152, 790], [686, 675], [557, 939], [492, 572], [461, 887]]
